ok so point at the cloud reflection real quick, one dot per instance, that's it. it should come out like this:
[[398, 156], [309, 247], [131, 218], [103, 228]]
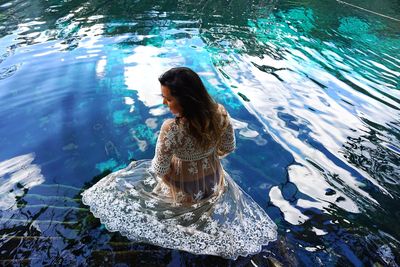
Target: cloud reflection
[[271, 99], [17, 174], [142, 70]]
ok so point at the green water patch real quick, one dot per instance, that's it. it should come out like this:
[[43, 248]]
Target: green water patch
[[245, 98], [144, 132], [110, 164], [122, 117]]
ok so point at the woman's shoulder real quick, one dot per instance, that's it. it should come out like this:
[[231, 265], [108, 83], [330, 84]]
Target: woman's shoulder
[[168, 124], [171, 126], [221, 108], [223, 114]]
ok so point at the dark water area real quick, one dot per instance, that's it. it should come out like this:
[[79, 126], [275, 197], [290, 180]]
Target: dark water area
[[313, 88]]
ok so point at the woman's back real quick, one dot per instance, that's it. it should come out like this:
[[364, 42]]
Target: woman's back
[[192, 172]]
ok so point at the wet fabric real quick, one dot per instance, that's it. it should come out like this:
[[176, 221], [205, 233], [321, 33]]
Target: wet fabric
[[183, 198]]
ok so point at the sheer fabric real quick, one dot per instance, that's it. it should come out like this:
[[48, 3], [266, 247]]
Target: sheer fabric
[[183, 199], [192, 173]]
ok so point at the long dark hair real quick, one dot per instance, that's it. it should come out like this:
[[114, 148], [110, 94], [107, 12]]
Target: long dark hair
[[198, 107]]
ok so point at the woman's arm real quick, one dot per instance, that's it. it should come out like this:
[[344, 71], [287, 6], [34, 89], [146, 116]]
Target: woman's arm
[[228, 142], [161, 162]]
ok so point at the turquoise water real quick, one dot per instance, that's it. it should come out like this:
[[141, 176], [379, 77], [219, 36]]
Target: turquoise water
[[313, 87]]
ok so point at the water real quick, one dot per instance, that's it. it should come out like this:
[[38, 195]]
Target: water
[[313, 87]]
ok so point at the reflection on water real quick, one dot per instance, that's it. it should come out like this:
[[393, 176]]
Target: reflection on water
[[16, 176], [313, 89]]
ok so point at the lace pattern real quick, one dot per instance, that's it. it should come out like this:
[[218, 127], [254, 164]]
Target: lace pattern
[[136, 203], [174, 141], [183, 199]]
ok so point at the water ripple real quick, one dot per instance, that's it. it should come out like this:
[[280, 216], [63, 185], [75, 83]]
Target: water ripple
[[312, 87], [9, 71]]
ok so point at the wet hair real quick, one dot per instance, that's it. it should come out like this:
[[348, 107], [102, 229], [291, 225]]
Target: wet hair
[[198, 107]]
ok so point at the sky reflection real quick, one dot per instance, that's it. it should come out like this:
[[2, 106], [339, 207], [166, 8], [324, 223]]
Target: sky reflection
[[312, 88], [16, 175]]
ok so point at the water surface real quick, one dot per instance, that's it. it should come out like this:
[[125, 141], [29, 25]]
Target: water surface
[[313, 88]]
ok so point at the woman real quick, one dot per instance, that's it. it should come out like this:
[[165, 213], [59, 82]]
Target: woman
[[183, 199]]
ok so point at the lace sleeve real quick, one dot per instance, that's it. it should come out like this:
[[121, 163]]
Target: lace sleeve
[[164, 150], [228, 142]]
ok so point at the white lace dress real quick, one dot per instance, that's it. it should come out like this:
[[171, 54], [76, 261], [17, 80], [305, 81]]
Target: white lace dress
[[183, 199]]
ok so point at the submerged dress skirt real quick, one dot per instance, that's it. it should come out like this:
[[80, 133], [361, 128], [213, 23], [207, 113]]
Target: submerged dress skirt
[[182, 199]]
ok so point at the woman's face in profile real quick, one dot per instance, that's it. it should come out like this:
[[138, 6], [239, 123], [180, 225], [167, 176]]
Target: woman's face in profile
[[170, 101]]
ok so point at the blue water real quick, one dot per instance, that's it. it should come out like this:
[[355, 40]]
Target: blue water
[[313, 88]]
